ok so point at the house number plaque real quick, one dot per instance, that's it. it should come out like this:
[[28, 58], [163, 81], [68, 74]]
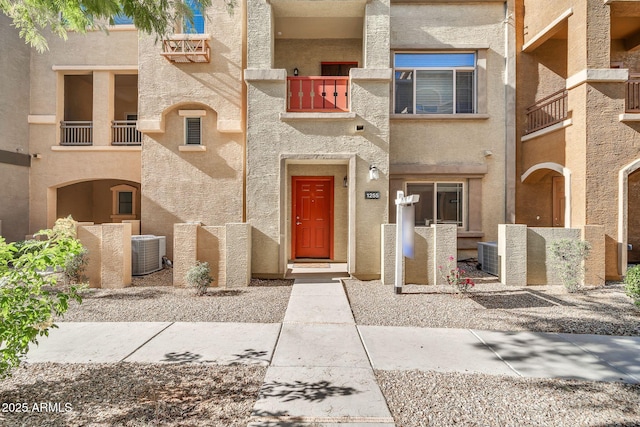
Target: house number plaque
[[371, 195]]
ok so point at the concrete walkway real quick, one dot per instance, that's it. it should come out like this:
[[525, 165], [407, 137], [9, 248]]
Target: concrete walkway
[[320, 364], [320, 372]]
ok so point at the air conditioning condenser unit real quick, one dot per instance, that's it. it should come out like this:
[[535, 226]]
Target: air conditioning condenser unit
[[146, 254], [488, 257]]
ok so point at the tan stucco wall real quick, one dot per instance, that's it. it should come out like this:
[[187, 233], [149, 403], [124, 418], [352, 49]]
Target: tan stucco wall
[[126, 96], [307, 55], [539, 14], [268, 137], [109, 254], [597, 145], [78, 97], [185, 186], [273, 143], [94, 49], [634, 218], [536, 209], [458, 144], [217, 84], [226, 248], [103, 56], [14, 131], [92, 201]]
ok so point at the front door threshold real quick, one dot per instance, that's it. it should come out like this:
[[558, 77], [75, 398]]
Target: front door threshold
[[316, 268]]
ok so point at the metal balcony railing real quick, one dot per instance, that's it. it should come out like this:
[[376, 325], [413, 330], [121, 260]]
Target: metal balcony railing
[[632, 104], [547, 111], [76, 133], [318, 94], [124, 132]]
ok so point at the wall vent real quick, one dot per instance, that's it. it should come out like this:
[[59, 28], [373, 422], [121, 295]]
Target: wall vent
[[146, 254], [488, 257]]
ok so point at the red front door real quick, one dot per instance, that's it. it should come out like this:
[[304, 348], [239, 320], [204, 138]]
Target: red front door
[[312, 222]]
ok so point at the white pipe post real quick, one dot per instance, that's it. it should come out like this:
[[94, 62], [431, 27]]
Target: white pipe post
[[399, 279]]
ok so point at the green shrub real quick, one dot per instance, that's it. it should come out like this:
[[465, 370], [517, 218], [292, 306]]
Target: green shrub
[[632, 284], [29, 299], [567, 258], [75, 267], [199, 277]]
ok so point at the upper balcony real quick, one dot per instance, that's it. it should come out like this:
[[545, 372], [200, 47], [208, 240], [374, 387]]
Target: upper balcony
[[86, 113], [190, 44], [187, 48], [547, 112], [323, 94], [632, 99]]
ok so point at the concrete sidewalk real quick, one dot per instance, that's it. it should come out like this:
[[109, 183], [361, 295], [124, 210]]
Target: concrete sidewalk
[[321, 364], [320, 373]]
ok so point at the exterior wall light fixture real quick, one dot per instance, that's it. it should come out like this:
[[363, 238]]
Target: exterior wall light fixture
[[345, 182], [374, 173], [295, 71]]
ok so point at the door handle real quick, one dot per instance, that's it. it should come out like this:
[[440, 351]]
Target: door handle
[[298, 223]]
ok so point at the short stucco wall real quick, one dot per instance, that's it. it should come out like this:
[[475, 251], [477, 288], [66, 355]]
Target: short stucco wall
[[226, 248], [109, 251], [525, 253], [432, 247]]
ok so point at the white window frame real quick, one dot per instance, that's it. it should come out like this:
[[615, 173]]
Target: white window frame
[[465, 197], [414, 70]]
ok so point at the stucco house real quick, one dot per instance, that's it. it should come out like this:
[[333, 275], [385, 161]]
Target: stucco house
[[300, 118], [577, 120]]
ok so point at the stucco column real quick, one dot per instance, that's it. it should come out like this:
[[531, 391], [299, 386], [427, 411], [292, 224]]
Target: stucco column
[[445, 245], [91, 238], [185, 250], [116, 255], [512, 252], [103, 107], [588, 38], [260, 39], [376, 34], [594, 266], [238, 255], [388, 251]]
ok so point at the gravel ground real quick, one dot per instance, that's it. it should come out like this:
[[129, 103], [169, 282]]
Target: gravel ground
[[129, 394], [492, 306], [449, 399], [153, 299], [144, 394]]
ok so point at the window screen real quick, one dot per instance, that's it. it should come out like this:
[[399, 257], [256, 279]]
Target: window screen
[[193, 131]]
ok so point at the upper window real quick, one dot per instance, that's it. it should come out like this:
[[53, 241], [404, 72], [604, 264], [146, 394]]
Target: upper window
[[122, 19], [197, 25], [440, 202], [435, 83], [193, 130]]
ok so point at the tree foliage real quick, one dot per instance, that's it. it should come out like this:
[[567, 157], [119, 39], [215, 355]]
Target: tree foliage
[[29, 298], [157, 17]]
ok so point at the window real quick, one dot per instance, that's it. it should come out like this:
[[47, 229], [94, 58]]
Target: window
[[197, 26], [193, 131], [440, 202], [125, 202], [122, 19], [435, 83]]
